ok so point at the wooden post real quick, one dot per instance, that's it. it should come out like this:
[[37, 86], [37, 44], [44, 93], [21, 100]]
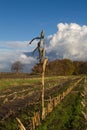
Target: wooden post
[[43, 72]]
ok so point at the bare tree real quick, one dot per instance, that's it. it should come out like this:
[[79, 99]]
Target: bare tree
[[17, 67]]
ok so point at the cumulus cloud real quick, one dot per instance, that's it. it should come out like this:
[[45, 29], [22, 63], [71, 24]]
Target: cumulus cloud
[[70, 41], [14, 51], [28, 61]]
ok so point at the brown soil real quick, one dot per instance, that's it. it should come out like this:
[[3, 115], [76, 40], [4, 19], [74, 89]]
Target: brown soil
[[17, 98]]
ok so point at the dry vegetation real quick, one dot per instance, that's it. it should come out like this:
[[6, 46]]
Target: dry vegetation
[[22, 97]]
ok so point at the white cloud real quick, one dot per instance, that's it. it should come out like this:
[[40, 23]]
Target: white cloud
[[13, 51], [24, 59], [70, 41]]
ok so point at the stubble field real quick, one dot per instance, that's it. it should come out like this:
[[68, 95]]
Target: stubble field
[[22, 97]]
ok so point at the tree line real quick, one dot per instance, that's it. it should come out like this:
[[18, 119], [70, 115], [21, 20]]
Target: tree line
[[62, 67]]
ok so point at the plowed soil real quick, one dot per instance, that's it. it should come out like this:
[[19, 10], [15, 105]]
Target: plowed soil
[[18, 97]]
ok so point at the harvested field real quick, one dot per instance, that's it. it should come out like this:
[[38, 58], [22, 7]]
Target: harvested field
[[22, 100], [68, 115]]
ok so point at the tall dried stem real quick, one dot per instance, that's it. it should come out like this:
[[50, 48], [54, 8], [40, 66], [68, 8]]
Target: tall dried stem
[[43, 73]]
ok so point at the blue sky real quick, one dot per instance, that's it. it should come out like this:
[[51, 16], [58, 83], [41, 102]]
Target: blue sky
[[23, 19], [64, 22]]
